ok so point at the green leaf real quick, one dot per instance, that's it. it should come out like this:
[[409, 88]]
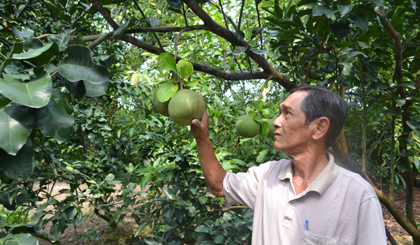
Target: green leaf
[[76, 88], [167, 62], [78, 65], [345, 9], [354, 53], [62, 39], [39, 56], [175, 4], [166, 91], [378, 3], [145, 180], [262, 155], [20, 239], [121, 30], [265, 128], [168, 213], [17, 48], [259, 105], [3, 101], [362, 44], [36, 93], [22, 164], [320, 10], [340, 28], [32, 43], [54, 121], [256, 31], [16, 123], [256, 117], [240, 50], [267, 113], [25, 34], [305, 2], [95, 90], [55, 232], [360, 21], [184, 68], [139, 230], [202, 228], [169, 193]]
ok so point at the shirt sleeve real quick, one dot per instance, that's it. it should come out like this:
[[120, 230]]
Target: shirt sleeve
[[371, 227], [242, 188]]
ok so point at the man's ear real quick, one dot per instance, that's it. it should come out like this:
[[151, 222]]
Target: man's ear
[[322, 125]]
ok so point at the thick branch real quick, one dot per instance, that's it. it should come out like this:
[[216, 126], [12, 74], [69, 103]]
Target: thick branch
[[198, 67], [228, 35], [104, 13]]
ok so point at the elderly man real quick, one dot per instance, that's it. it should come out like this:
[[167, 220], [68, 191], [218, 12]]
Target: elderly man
[[308, 199]]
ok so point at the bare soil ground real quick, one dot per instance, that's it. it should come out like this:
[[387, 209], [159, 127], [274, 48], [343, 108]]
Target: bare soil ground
[[124, 233]]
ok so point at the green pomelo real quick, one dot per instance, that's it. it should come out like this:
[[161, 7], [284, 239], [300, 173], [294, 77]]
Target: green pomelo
[[247, 127], [185, 106], [272, 128], [161, 107]]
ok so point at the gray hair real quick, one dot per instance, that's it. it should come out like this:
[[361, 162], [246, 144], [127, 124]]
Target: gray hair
[[321, 102]]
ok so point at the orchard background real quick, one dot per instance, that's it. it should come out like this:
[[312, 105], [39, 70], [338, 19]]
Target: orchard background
[[77, 80]]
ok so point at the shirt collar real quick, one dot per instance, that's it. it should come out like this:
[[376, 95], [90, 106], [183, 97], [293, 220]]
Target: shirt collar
[[324, 179]]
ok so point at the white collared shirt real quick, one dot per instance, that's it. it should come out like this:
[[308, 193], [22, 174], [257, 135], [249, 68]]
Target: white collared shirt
[[340, 206]]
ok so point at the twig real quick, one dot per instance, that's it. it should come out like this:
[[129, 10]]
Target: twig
[[104, 13], [223, 13], [225, 16], [100, 40], [176, 43], [75, 233], [49, 10], [259, 23], [265, 85], [184, 13], [81, 16], [144, 16], [390, 237], [240, 15], [24, 8]]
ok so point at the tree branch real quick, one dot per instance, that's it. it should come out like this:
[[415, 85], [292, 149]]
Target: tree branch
[[104, 13], [100, 40], [398, 47], [240, 14], [5, 42], [228, 35], [81, 16], [49, 10], [144, 16], [197, 67], [220, 9], [24, 8]]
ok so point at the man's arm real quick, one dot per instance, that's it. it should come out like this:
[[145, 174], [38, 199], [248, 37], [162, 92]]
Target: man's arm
[[212, 169]]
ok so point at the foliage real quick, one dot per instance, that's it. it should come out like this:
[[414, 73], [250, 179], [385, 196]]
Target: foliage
[[77, 78]]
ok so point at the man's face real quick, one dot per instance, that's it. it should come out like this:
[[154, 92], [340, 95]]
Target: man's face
[[292, 134]]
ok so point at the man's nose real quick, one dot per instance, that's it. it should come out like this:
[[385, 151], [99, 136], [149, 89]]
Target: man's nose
[[277, 122]]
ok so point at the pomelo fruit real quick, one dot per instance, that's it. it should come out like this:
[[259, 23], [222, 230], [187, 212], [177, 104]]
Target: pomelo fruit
[[247, 127], [161, 107], [185, 106], [272, 128]]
